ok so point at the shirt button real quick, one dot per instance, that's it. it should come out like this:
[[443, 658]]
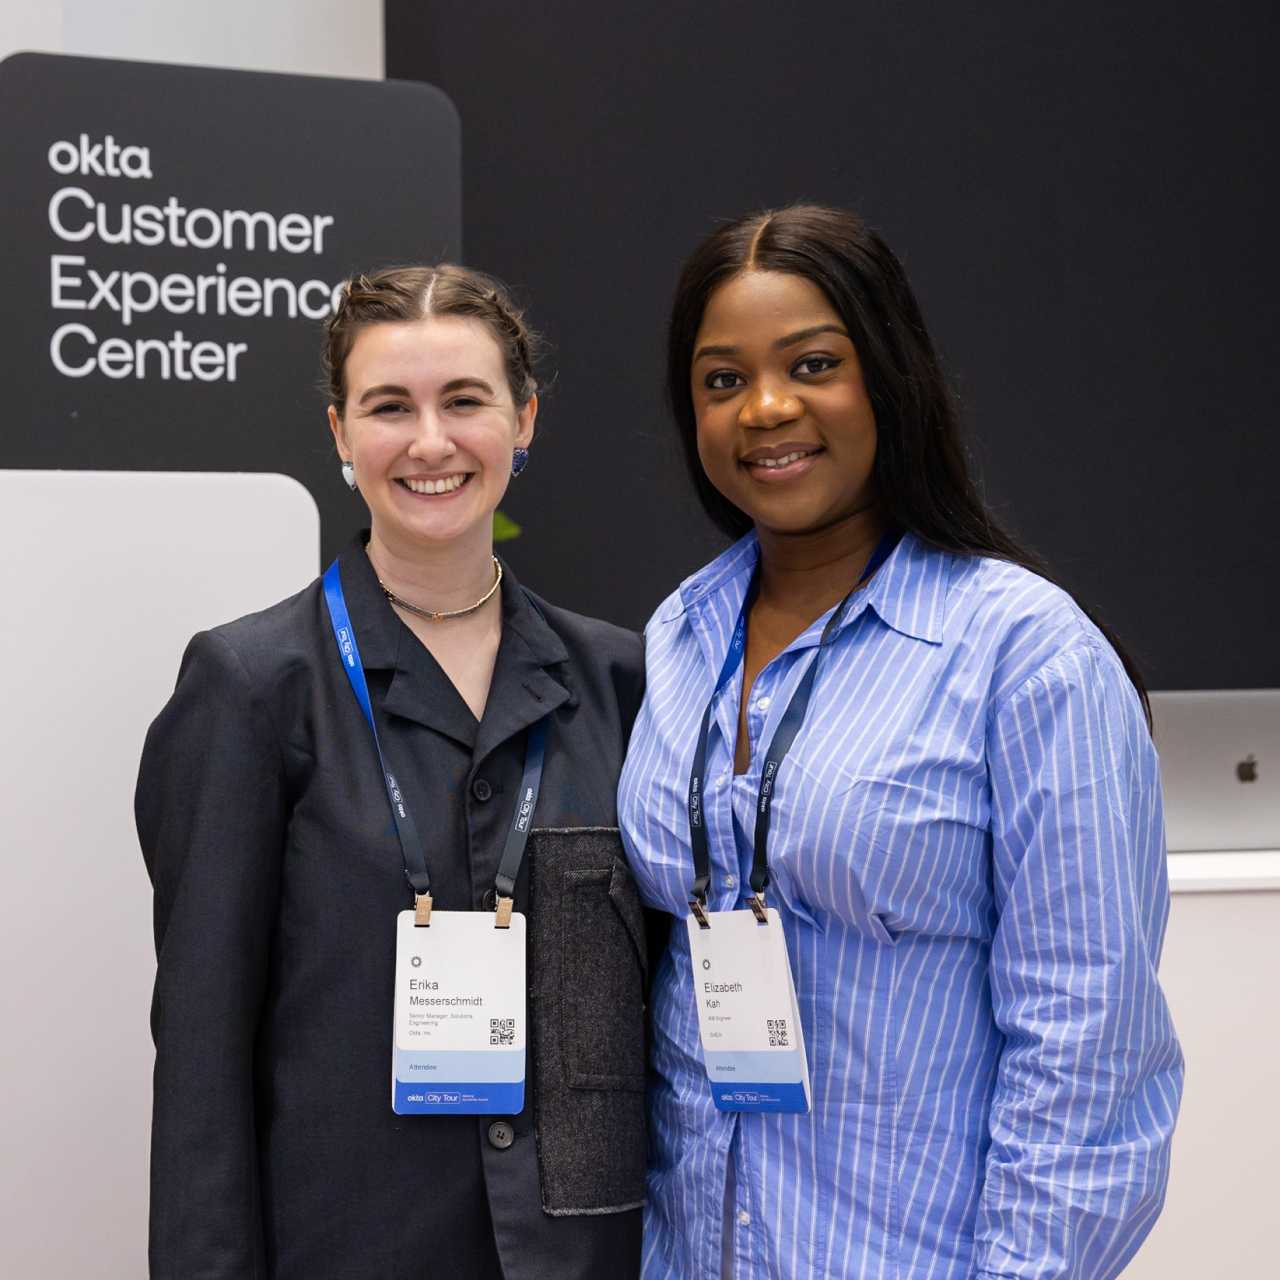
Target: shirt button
[[744, 1218], [762, 704], [731, 881], [501, 1135], [481, 790]]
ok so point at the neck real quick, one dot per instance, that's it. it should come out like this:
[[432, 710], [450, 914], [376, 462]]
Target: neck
[[808, 572], [439, 578]]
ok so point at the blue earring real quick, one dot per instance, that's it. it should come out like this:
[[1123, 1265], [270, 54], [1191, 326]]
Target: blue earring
[[519, 460]]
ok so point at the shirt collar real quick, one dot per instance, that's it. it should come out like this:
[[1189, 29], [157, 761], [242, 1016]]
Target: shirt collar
[[908, 593], [732, 568]]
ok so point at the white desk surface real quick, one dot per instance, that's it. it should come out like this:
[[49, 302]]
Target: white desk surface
[[1248, 870]]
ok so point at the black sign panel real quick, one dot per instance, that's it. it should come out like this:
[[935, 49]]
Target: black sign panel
[[173, 238]]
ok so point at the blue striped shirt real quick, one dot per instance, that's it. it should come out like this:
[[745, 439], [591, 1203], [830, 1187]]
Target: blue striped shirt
[[967, 852]]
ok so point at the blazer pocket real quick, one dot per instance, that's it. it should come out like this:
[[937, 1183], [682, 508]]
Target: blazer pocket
[[587, 995], [602, 980]]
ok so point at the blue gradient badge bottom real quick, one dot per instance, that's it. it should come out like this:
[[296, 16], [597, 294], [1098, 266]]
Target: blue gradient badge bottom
[[760, 1081], [432, 1083]]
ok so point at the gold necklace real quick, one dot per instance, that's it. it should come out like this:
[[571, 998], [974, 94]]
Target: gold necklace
[[432, 615]]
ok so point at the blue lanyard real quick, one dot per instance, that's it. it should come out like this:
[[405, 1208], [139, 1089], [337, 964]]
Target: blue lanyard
[[415, 862], [784, 736]]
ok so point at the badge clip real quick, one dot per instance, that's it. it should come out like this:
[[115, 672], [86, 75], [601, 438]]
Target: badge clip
[[699, 914], [756, 903], [422, 910], [502, 914]]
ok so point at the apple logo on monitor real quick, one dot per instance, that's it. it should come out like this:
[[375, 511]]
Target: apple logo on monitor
[[1247, 769]]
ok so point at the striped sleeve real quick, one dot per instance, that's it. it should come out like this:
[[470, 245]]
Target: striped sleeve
[[1090, 1073]]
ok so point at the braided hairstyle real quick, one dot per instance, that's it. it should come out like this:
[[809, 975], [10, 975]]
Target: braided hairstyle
[[415, 293]]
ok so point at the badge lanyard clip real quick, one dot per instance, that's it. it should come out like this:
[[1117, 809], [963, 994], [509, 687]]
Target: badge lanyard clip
[[415, 863]]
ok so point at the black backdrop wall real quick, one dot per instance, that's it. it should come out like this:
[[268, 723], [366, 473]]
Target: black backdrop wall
[[1082, 199]]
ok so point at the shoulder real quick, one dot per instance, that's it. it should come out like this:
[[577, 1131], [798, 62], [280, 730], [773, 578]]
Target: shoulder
[[592, 640], [260, 648], [261, 638], [1030, 628]]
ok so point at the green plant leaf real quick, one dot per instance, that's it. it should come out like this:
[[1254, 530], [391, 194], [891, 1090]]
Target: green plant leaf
[[504, 528]]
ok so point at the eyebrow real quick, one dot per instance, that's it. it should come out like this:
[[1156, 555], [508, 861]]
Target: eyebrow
[[457, 384], [790, 340], [394, 389], [384, 389]]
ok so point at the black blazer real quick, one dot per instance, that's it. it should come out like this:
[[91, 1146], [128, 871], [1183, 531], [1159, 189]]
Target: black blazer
[[267, 834]]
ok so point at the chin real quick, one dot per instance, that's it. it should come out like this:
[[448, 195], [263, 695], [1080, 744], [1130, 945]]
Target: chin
[[433, 533], [796, 523], [787, 522]]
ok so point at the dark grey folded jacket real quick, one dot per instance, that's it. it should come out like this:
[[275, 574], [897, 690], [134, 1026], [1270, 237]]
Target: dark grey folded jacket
[[587, 983]]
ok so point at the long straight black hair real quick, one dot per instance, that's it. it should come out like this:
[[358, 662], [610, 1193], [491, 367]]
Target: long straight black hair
[[921, 474]]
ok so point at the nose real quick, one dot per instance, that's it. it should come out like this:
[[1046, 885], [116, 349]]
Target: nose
[[431, 443], [769, 405]]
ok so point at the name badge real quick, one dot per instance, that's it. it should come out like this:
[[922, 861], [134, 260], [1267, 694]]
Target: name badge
[[459, 1031], [752, 1041]]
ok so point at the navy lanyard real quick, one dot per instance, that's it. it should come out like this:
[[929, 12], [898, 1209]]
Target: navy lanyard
[[415, 862], [784, 736]]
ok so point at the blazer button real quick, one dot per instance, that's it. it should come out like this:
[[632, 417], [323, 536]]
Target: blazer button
[[501, 1135], [481, 790]]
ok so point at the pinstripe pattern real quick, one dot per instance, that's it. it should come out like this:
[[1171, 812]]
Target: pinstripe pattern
[[968, 857]]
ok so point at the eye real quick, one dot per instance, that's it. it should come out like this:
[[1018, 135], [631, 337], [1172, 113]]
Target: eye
[[390, 407], [723, 380], [811, 366], [464, 402]]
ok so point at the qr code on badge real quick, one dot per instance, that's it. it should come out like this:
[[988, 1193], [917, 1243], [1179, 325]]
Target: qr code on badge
[[778, 1033], [502, 1031]]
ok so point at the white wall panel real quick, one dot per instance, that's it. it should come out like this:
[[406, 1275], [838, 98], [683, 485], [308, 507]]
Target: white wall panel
[[307, 37], [1221, 960], [105, 576], [30, 24]]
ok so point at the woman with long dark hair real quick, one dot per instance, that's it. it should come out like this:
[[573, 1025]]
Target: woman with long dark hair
[[900, 786]]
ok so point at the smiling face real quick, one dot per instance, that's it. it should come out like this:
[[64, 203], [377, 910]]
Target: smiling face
[[429, 426], [786, 431]]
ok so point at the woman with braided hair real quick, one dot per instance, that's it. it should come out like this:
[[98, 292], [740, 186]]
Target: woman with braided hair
[[376, 805]]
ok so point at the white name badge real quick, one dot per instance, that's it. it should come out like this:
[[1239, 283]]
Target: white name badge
[[752, 1041], [459, 1037]]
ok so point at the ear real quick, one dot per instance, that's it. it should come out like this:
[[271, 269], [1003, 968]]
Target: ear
[[339, 434], [526, 415]]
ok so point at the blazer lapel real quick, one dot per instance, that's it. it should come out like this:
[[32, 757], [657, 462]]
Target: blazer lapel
[[420, 691]]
